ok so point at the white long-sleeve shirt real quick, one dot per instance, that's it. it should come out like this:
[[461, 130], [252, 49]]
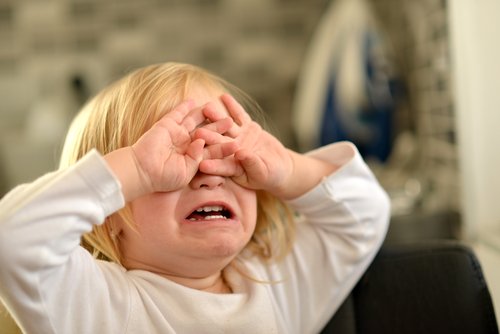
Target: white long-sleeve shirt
[[50, 284]]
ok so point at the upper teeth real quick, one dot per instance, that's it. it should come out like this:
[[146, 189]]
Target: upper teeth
[[210, 208]]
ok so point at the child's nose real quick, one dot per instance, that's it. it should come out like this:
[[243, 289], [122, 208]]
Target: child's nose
[[202, 180]]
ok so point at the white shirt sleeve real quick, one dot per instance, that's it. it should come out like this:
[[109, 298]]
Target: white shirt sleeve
[[40, 229], [342, 225]]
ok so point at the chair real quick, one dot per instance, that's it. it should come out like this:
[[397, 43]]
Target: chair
[[425, 287]]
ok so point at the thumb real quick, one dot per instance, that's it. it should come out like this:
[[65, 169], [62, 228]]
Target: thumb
[[195, 151], [193, 157], [253, 166]]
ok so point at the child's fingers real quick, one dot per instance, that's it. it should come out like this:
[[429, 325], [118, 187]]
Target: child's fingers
[[193, 119], [180, 111], [221, 126], [195, 150], [236, 111], [188, 116], [212, 133], [211, 137], [250, 162], [213, 113], [223, 167], [219, 151], [217, 121]]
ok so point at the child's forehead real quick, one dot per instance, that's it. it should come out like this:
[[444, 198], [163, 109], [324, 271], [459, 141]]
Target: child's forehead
[[202, 96]]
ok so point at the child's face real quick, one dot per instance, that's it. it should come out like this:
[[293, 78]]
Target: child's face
[[184, 232]]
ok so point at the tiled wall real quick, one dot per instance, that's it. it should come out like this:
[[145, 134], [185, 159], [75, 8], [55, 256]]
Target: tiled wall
[[257, 44]]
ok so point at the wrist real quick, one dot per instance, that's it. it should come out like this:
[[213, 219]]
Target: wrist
[[126, 168], [288, 188], [307, 172]]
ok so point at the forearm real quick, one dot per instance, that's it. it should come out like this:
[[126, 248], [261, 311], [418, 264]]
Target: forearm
[[343, 221], [351, 192], [306, 174], [309, 169], [42, 223]]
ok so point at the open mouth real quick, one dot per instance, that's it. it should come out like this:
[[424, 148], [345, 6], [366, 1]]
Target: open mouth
[[210, 212]]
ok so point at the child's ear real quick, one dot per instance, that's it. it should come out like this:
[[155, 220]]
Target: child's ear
[[115, 224], [114, 233]]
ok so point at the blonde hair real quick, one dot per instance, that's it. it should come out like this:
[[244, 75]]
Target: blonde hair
[[123, 111]]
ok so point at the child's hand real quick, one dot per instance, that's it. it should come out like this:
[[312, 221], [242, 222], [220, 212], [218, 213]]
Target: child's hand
[[260, 161], [166, 156]]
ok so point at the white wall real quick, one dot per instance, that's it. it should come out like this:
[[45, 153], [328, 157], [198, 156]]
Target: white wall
[[475, 52]]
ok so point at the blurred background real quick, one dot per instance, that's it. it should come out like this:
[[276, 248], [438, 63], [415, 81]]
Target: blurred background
[[413, 83], [380, 68]]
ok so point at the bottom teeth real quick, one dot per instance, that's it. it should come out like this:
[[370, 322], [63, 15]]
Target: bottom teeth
[[209, 218], [215, 217]]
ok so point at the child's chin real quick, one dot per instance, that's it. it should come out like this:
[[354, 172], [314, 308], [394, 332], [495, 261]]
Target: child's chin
[[225, 247]]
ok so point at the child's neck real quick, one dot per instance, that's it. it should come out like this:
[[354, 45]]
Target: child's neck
[[214, 283]]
